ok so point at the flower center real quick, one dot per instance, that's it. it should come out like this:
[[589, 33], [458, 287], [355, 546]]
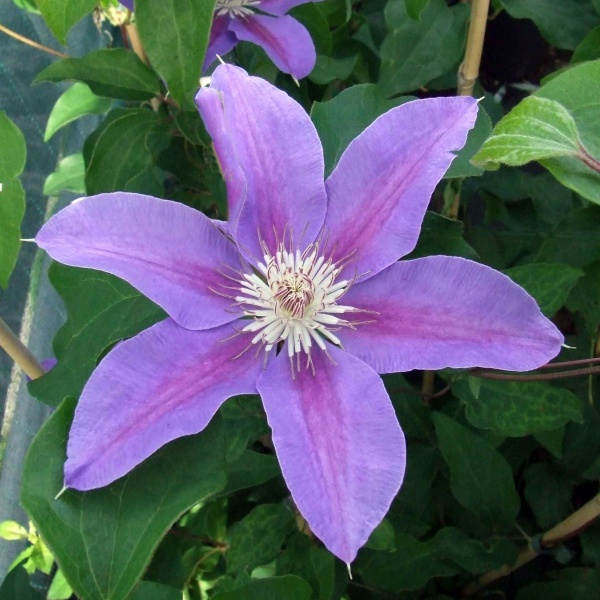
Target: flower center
[[294, 299], [235, 8]]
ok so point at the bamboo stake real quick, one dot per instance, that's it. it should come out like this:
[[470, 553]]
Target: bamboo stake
[[137, 46], [13, 346], [570, 527], [468, 71]]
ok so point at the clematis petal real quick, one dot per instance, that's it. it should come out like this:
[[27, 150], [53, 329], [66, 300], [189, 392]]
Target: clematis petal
[[261, 133], [443, 311], [127, 4], [281, 7], [221, 40], [160, 385], [380, 189], [168, 251], [285, 40], [339, 444]]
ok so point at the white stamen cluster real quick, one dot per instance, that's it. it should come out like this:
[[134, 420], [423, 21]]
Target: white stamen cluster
[[294, 299], [235, 8]]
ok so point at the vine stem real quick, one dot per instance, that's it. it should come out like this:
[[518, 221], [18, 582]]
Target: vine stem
[[570, 527], [587, 159], [13, 346], [535, 376], [26, 40]]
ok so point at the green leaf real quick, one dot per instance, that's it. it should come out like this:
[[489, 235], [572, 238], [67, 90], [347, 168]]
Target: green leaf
[[75, 102], [563, 24], [461, 166], [548, 493], [126, 149], [12, 210], [59, 588], [413, 53], [575, 89], [13, 150], [330, 68], [548, 284], [249, 470], [289, 587], [258, 537], [60, 16], [515, 408], [103, 539], [340, 120], [102, 310], [480, 478], [535, 129], [175, 36], [112, 72], [414, 8], [414, 563], [11, 530], [68, 176], [440, 235]]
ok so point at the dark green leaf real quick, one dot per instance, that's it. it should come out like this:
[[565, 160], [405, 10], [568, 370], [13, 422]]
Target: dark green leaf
[[125, 150], [440, 235], [250, 469], [257, 538], [480, 477], [102, 310], [575, 241], [16, 586], [563, 24], [340, 120], [289, 587], [516, 408], [149, 590], [60, 16], [589, 48], [413, 53], [583, 584], [13, 151], [548, 493], [461, 166], [103, 539], [548, 284], [113, 72], [77, 101], [383, 537], [175, 36], [415, 563], [330, 68], [12, 210], [302, 557], [69, 176], [585, 297]]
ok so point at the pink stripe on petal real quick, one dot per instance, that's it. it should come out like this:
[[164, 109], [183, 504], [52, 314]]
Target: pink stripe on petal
[[266, 137], [168, 251], [339, 444], [443, 311], [285, 40], [160, 385], [380, 189]]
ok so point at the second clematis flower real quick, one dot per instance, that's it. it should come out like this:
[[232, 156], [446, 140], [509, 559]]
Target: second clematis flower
[[298, 297], [264, 23]]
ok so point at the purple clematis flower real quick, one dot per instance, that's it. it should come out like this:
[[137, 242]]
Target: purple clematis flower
[[298, 297], [287, 42]]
